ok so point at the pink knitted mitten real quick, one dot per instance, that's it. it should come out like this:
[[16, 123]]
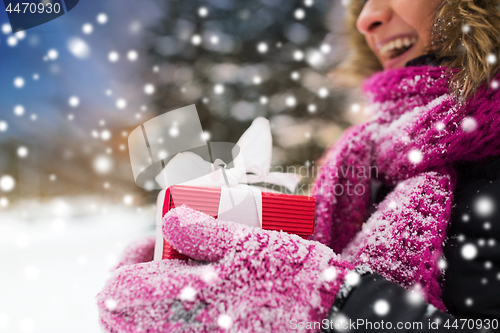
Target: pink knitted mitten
[[244, 279]]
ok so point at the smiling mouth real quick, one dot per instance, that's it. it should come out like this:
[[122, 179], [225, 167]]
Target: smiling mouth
[[397, 47]]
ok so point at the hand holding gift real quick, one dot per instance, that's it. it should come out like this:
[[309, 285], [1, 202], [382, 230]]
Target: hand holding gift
[[213, 177], [255, 280]]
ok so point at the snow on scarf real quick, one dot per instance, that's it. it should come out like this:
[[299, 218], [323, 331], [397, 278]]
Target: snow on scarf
[[418, 130]]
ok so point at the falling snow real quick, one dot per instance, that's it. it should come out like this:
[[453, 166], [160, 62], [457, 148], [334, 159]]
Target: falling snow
[[468, 251], [7, 183], [484, 206], [381, 307], [102, 18]]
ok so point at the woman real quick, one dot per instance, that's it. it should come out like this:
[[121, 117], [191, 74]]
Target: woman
[[376, 256]]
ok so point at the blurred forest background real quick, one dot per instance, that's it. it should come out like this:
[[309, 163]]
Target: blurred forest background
[[72, 90], [236, 60]]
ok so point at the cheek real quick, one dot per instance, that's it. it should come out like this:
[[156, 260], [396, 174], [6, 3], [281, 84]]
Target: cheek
[[417, 14]]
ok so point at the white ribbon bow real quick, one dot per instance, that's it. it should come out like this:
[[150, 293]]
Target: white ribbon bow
[[251, 165]]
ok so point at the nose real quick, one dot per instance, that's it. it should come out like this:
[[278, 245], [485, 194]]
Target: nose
[[375, 13]]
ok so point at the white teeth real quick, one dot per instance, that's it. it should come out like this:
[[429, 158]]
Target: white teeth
[[397, 44]]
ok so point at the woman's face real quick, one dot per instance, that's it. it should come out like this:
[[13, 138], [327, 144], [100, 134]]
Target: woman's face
[[397, 30]]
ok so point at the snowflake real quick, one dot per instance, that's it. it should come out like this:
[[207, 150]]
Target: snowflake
[[442, 264], [352, 278], [325, 48], [102, 164], [323, 92], [214, 39], [381, 307], [491, 58], [262, 47], [187, 294], [105, 135], [79, 48], [263, 100], [19, 110], [487, 225], [465, 217], [300, 14], [340, 322], [311, 108], [149, 89], [110, 304], [291, 101], [484, 206], [203, 11], [3, 126], [7, 183], [74, 101], [6, 28], [87, 28], [113, 56], [18, 82], [415, 156], [128, 199], [329, 274], [355, 108], [174, 131], [102, 18], [469, 124], [488, 265], [469, 301], [22, 152], [4, 202], [219, 89], [52, 54], [121, 103], [440, 126], [196, 39], [466, 28], [205, 136], [298, 55], [469, 251], [12, 41], [224, 321], [132, 55]]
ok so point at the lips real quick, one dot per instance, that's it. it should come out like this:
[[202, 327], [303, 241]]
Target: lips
[[394, 49]]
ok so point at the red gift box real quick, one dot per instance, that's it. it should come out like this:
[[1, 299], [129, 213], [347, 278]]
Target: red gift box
[[293, 214]]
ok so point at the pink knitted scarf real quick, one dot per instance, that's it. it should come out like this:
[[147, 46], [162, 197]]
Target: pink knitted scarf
[[417, 132]]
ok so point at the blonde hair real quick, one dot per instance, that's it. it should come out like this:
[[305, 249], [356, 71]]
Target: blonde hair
[[465, 32]]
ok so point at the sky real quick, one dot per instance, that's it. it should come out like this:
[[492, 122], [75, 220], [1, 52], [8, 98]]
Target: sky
[[53, 74]]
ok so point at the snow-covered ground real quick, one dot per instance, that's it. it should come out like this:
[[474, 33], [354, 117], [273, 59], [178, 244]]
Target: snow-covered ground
[[54, 259]]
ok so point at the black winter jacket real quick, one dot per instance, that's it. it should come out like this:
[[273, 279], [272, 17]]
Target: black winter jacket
[[471, 265]]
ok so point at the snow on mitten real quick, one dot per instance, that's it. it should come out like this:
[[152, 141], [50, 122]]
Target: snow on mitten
[[244, 279], [142, 250]]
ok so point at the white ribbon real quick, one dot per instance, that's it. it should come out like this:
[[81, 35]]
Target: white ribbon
[[251, 165], [239, 202]]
